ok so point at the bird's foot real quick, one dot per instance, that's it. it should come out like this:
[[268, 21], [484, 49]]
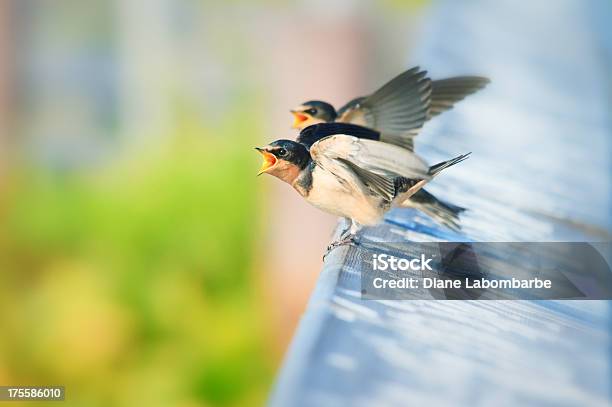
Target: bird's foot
[[346, 240]]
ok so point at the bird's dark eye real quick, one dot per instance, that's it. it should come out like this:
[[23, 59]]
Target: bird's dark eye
[[282, 152], [312, 111]]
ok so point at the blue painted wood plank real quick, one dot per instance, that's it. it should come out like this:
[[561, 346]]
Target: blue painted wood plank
[[540, 171]]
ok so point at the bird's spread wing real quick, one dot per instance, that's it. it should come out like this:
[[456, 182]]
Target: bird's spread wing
[[380, 158], [446, 92], [398, 109]]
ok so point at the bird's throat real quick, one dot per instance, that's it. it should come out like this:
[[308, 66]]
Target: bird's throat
[[303, 182]]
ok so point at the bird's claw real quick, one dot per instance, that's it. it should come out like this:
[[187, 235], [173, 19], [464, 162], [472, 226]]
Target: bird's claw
[[347, 240]]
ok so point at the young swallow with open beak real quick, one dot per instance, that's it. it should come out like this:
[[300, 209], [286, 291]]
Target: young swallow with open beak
[[396, 113], [397, 110], [441, 212], [356, 178]]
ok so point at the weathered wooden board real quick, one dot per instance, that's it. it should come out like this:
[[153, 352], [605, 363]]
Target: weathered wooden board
[[540, 171]]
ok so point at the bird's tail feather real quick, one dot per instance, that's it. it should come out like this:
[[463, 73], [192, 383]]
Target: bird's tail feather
[[442, 212], [436, 168]]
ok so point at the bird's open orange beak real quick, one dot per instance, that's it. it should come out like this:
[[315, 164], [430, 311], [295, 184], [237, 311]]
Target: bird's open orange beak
[[298, 118], [269, 160]]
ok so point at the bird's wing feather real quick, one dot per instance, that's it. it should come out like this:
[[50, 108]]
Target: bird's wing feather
[[350, 106], [446, 92], [381, 158], [378, 184], [398, 109]]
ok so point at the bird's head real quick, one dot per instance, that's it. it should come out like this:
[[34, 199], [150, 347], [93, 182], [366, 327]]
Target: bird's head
[[284, 159], [312, 112]]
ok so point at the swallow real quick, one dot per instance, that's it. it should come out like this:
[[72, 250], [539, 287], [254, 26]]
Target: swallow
[[398, 110], [356, 178], [440, 211]]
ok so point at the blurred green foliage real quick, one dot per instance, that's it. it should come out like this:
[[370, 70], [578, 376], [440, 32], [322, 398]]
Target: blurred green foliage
[[134, 285]]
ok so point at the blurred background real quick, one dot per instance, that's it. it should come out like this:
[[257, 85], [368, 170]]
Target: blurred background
[[141, 260]]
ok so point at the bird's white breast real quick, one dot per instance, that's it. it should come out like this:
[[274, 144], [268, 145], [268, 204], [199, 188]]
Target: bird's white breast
[[333, 194]]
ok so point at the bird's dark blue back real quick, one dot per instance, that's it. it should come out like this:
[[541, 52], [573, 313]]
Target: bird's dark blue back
[[316, 132]]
